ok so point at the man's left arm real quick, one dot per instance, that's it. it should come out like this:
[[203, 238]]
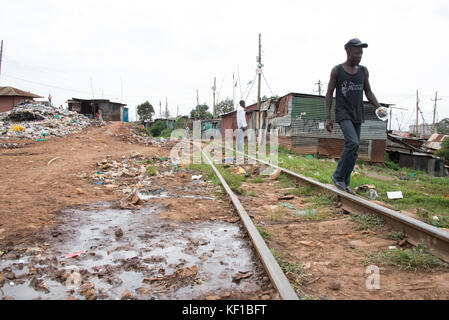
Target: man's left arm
[[368, 93]]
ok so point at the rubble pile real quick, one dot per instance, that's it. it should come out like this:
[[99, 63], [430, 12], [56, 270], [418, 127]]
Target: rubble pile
[[130, 173], [36, 121]]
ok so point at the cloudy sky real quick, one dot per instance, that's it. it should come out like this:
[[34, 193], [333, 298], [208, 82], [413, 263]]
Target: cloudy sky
[[132, 51]]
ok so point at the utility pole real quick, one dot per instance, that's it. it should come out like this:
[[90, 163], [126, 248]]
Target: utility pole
[[1, 56], [177, 110], [160, 108], [319, 87], [213, 91], [259, 71], [166, 112], [417, 107], [435, 111], [197, 104]]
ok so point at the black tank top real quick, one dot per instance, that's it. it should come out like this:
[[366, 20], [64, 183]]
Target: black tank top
[[349, 96]]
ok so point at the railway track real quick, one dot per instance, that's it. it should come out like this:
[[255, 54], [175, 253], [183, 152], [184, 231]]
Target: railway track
[[435, 240]]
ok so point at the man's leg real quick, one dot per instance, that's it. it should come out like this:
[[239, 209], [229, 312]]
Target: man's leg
[[347, 179], [349, 153]]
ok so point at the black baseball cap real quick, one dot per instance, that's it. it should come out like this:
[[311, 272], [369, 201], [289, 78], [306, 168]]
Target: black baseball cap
[[355, 43]]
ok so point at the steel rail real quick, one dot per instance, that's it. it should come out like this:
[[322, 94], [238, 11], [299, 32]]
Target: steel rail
[[270, 264], [435, 239]]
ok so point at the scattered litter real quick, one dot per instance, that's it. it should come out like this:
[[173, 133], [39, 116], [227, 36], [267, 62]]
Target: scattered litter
[[372, 194], [392, 247], [286, 197], [241, 275], [240, 170], [197, 177], [394, 195], [288, 205], [435, 218], [364, 187], [74, 254], [130, 202], [307, 243], [54, 159], [275, 174], [309, 156]]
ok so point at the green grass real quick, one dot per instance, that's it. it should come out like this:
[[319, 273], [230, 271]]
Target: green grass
[[367, 221], [257, 180], [264, 233], [233, 180], [251, 194], [151, 171], [294, 268], [395, 235], [414, 259], [430, 193]]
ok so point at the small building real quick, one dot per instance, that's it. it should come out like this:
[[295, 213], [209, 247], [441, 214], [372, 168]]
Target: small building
[[300, 120], [107, 110], [11, 97]]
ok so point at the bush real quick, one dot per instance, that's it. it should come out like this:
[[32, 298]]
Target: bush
[[157, 128], [166, 133], [444, 152]]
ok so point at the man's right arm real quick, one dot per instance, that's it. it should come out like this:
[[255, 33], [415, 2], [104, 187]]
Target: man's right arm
[[328, 99]]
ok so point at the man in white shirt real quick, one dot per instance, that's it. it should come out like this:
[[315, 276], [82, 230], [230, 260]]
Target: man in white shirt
[[241, 124]]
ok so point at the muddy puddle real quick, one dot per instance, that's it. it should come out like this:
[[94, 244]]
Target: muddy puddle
[[100, 252]]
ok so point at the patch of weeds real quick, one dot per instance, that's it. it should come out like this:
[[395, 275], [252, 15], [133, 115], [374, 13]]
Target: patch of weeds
[[251, 194], [257, 180], [322, 200], [285, 182], [277, 213], [413, 259], [264, 233], [395, 235], [367, 221], [303, 191], [293, 271], [311, 214], [146, 161], [151, 171]]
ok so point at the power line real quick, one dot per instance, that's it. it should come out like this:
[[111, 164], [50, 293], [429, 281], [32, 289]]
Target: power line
[[266, 82]]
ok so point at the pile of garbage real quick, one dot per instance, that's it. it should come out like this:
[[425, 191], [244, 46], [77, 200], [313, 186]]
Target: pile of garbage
[[147, 140], [36, 121], [130, 173]]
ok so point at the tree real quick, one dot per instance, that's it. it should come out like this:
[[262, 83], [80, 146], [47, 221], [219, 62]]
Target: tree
[[443, 126], [200, 112], [145, 111], [224, 106], [443, 153], [265, 98]]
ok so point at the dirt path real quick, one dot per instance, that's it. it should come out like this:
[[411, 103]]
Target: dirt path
[[180, 241], [31, 191], [332, 250]]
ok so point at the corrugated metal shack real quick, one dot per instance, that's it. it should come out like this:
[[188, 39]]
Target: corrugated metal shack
[[301, 118], [401, 151], [107, 110]]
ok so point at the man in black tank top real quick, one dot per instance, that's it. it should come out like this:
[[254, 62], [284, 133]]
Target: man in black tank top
[[350, 80]]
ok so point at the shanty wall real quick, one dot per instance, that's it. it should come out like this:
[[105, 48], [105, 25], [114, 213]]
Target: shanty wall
[[7, 103], [309, 136], [111, 112]]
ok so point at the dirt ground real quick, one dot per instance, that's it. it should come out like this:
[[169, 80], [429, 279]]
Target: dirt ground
[[332, 250], [51, 207], [37, 195]]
